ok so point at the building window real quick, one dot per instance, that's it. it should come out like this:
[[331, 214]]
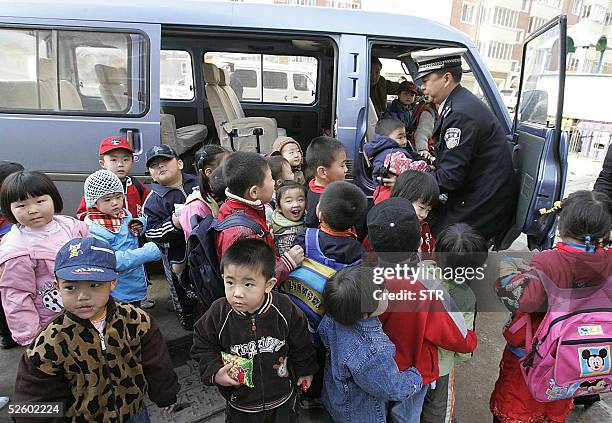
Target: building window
[[572, 63], [303, 2], [608, 20], [505, 17], [468, 13], [498, 50], [586, 11], [576, 7], [525, 5], [535, 23], [520, 34]]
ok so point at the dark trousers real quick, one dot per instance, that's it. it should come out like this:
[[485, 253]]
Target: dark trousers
[[182, 302], [4, 329], [438, 404], [286, 413]]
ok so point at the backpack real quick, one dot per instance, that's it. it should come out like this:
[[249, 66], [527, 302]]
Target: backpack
[[569, 355], [202, 260], [305, 285]]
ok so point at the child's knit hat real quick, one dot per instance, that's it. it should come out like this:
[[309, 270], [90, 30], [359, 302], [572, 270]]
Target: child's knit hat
[[99, 184], [280, 142]]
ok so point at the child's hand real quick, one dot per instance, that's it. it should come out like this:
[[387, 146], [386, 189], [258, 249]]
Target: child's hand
[[176, 222], [168, 410], [304, 382], [388, 182], [426, 154], [297, 254], [223, 379], [136, 227]]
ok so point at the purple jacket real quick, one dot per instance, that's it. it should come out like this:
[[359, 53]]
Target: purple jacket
[[27, 278]]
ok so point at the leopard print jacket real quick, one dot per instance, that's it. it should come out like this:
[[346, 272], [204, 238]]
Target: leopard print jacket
[[100, 378]]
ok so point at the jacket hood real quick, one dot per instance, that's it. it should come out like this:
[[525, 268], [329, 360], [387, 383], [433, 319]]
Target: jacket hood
[[379, 143], [163, 190]]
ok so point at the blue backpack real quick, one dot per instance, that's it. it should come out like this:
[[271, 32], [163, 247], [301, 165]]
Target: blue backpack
[[202, 259], [306, 283]]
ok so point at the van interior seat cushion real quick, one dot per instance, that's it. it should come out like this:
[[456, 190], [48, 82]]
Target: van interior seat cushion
[[211, 74]]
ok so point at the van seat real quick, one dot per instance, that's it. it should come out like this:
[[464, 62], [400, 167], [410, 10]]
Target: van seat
[[181, 139], [235, 131], [113, 87], [18, 94]]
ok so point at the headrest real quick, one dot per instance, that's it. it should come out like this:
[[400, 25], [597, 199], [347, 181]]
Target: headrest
[[111, 75], [211, 74], [46, 70], [224, 77]]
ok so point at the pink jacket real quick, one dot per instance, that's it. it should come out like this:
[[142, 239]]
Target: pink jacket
[[27, 278]]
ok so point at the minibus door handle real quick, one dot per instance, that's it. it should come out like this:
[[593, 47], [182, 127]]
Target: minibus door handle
[[133, 138]]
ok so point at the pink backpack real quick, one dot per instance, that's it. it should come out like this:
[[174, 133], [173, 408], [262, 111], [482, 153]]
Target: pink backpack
[[569, 355]]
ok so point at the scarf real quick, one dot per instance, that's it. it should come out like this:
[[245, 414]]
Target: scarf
[[112, 223], [314, 187], [257, 205], [348, 233], [280, 222]]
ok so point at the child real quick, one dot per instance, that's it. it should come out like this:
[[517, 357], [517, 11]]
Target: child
[[6, 340], [360, 372], [459, 247], [417, 328], [290, 149], [326, 159], [394, 165], [288, 218], [109, 221], [30, 300], [400, 108], [254, 322], [389, 137], [281, 172], [117, 156], [99, 357], [422, 190], [171, 189], [249, 187], [202, 202], [575, 262]]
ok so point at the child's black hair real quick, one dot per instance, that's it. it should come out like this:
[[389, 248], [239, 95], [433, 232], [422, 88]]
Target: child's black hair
[[252, 253], [349, 294], [208, 156], [6, 168], [585, 214], [343, 205], [276, 164], [286, 186], [417, 186], [322, 151], [217, 184], [387, 126], [243, 170], [460, 245], [20, 185]]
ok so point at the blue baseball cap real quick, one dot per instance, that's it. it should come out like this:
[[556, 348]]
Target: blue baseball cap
[[86, 259]]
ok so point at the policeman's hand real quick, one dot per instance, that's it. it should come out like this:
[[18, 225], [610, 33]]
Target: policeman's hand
[[297, 254], [223, 379], [426, 154], [135, 227]]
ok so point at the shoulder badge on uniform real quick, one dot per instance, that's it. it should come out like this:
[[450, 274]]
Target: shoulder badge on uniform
[[452, 136]]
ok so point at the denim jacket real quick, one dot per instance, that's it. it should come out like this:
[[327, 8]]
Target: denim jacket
[[360, 372]]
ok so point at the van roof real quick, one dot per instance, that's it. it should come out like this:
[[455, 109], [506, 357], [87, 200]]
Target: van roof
[[239, 16]]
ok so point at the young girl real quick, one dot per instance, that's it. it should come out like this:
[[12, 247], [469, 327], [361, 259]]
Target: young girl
[[288, 218], [281, 172], [201, 202], [575, 262], [27, 254], [361, 374], [421, 189]]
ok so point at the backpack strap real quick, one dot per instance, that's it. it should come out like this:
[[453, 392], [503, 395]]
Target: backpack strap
[[139, 188], [240, 219], [314, 252]]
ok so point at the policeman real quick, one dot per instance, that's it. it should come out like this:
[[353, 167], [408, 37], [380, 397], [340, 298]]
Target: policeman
[[473, 161]]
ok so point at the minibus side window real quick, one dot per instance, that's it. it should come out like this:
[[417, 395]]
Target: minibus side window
[[73, 72], [176, 75]]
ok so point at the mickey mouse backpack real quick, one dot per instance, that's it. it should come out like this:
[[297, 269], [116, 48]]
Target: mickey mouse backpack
[[569, 355]]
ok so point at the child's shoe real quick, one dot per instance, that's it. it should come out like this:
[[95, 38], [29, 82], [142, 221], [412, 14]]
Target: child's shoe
[[147, 303], [6, 342], [3, 402], [308, 403]]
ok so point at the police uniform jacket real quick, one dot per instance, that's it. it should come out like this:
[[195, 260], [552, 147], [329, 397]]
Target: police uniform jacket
[[474, 166]]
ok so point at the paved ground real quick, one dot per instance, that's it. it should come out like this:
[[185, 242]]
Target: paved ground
[[474, 379]]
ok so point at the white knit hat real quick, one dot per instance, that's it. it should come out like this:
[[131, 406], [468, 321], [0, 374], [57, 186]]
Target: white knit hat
[[99, 184]]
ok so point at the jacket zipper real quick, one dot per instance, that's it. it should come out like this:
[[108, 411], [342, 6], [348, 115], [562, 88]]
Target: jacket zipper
[[585, 341], [567, 316], [263, 391], [106, 370]]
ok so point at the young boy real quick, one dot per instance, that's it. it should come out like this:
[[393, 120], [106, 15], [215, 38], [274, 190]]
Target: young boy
[[171, 188], [288, 218], [249, 187], [326, 159], [6, 339], [401, 107], [389, 137], [99, 357], [291, 150], [416, 327], [254, 322], [108, 220], [117, 156]]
